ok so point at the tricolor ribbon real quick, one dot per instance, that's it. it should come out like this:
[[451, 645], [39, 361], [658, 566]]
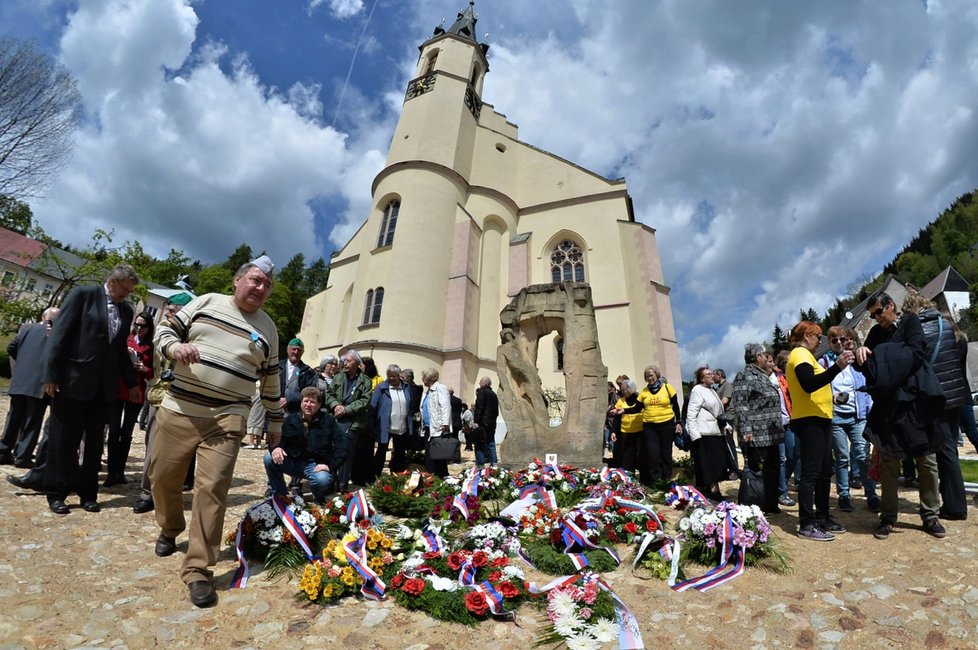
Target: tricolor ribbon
[[540, 493], [680, 496], [287, 517], [430, 536], [607, 473], [573, 535], [731, 563], [493, 598], [373, 587], [358, 507]]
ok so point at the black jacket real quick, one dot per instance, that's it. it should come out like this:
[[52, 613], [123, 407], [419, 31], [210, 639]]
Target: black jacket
[[321, 441], [79, 357], [948, 365], [293, 393], [907, 397]]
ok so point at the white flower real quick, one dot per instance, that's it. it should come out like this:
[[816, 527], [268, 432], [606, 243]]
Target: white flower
[[442, 584], [513, 572], [568, 625], [604, 630], [344, 519], [582, 641], [562, 604]]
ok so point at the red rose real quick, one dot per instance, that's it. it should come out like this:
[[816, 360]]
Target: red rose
[[613, 536], [508, 589], [413, 586], [631, 528], [555, 537], [480, 559], [476, 603], [397, 580], [364, 523], [431, 555], [651, 526], [334, 519], [455, 561], [388, 488], [495, 575], [500, 561]]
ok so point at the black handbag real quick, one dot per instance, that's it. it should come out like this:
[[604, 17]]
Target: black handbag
[[445, 448], [683, 441], [751, 492]]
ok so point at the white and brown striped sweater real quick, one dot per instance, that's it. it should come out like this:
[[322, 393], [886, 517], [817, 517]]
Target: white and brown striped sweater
[[237, 349]]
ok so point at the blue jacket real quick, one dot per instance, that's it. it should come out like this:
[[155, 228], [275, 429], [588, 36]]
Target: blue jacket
[[380, 411]]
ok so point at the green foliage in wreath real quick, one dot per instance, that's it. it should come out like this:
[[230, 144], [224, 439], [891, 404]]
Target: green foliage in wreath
[[388, 494], [549, 560]]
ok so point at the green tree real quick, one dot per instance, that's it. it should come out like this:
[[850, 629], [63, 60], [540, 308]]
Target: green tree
[[214, 279], [779, 340], [15, 215], [241, 255], [316, 278]]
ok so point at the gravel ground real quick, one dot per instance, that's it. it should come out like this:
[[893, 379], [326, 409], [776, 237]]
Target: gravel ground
[[92, 581]]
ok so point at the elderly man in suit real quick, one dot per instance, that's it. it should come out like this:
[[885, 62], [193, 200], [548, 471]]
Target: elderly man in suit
[[27, 399], [293, 375], [86, 354]]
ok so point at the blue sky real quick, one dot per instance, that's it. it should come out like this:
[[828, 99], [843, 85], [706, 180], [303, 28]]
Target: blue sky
[[783, 151]]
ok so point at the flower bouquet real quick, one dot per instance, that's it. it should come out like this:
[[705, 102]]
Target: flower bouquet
[[489, 483], [264, 536], [560, 480], [544, 545], [405, 494], [581, 615], [462, 586], [703, 529], [334, 575]]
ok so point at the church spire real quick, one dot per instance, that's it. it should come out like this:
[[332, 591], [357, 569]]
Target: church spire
[[464, 26]]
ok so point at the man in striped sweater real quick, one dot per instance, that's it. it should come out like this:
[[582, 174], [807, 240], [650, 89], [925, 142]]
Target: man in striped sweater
[[221, 346]]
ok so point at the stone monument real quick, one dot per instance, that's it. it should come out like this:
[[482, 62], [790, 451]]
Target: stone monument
[[534, 312]]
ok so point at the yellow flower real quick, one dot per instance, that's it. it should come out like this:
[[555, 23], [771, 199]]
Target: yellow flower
[[371, 545], [387, 542], [376, 563], [328, 591]]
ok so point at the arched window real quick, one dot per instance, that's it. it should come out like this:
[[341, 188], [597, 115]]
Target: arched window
[[388, 223], [567, 263], [429, 65], [372, 306], [559, 352]]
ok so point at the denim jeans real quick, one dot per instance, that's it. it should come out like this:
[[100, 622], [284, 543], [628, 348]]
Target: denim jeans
[[321, 483], [791, 463], [850, 449]]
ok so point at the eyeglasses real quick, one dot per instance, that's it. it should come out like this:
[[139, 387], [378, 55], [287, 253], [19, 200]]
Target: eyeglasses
[[875, 313], [839, 339], [142, 324]]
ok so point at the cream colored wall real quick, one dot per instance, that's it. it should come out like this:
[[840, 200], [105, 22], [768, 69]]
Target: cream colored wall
[[453, 266]]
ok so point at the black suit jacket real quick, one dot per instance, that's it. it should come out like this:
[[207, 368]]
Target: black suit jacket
[[307, 377], [79, 357], [486, 409]]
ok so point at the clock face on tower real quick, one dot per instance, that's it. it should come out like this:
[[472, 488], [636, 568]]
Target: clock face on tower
[[420, 86]]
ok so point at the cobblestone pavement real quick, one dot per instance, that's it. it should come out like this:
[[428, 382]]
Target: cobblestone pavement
[[92, 581]]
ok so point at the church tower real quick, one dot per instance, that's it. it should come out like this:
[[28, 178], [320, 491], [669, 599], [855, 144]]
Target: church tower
[[464, 215]]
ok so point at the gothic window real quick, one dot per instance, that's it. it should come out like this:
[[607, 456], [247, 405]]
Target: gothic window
[[430, 63], [372, 306], [567, 263], [388, 223], [559, 352]]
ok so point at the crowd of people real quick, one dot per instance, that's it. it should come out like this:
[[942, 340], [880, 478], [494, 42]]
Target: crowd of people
[[861, 413], [211, 383]]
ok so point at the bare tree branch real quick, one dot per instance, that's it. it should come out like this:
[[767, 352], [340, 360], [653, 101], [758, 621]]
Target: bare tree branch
[[39, 111]]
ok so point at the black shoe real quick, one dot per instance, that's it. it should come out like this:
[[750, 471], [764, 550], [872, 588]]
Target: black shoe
[[58, 507], [110, 481], [143, 505], [6, 459], [830, 525], [934, 527], [18, 481], [24, 464], [165, 546], [91, 506], [202, 593]]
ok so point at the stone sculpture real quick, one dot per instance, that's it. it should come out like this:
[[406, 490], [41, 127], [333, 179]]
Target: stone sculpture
[[534, 312]]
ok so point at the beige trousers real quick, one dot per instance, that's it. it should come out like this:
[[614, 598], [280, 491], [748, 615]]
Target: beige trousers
[[216, 442]]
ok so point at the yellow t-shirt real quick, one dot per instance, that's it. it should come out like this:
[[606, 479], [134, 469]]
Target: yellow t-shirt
[[630, 422], [658, 407], [804, 404]]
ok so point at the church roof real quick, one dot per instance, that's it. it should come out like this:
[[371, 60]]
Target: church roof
[[464, 26], [947, 280]]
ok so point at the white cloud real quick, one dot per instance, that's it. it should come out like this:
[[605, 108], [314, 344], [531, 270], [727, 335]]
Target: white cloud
[[200, 160], [339, 8]]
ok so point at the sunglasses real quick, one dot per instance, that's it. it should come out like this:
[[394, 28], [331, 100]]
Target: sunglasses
[[838, 339], [142, 324], [875, 313]]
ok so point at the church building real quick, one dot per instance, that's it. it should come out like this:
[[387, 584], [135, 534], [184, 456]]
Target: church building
[[464, 215]]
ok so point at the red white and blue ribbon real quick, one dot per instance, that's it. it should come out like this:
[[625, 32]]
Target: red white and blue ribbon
[[540, 493], [287, 517], [493, 598], [731, 563], [607, 473], [573, 535], [373, 587], [359, 507], [680, 496], [431, 538]]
